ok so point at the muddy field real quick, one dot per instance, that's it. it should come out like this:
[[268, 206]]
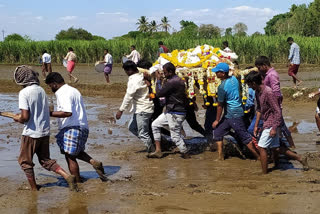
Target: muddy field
[[168, 185]]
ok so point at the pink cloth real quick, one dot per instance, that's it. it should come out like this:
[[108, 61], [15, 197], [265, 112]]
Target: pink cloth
[[108, 69], [272, 80], [70, 66]]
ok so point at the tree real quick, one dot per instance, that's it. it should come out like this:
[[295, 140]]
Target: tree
[[13, 37], [143, 24], [95, 37], [257, 33], [153, 27], [208, 31], [74, 34], [184, 24], [228, 32], [165, 24], [313, 19], [240, 29]]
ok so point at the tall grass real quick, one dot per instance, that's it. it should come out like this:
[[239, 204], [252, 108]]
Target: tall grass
[[248, 48]]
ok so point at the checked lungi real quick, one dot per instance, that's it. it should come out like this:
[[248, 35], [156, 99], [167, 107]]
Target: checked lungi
[[72, 140]]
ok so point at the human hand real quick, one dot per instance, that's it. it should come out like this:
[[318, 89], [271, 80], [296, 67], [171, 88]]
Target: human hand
[[118, 115], [273, 133], [215, 124], [255, 131], [16, 118]]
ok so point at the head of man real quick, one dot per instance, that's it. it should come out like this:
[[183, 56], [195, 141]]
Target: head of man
[[263, 64], [143, 63], [133, 47], [70, 49], [54, 80], [225, 44], [25, 76], [221, 70], [254, 80], [290, 40], [160, 43], [44, 51], [105, 51], [130, 67], [169, 70]]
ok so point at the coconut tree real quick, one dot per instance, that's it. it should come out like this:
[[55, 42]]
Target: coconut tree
[[165, 24], [153, 27], [143, 24]]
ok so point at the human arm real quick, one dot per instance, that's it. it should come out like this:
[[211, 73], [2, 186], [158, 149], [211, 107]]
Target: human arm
[[256, 128], [68, 54], [131, 90], [313, 94], [60, 114], [277, 115], [130, 55], [23, 117], [290, 54], [219, 114], [166, 89]]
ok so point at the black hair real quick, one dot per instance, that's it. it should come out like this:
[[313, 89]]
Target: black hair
[[106, 49], [44, 51], [262, 60], [130, 66], [133, 46], [249, 67], [143, 63], [170, 68], [226, 43], [54, 77], [290, 39], [254, 77], [70, 49], [160, 43]]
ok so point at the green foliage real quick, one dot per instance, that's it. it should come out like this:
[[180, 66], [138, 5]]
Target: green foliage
[[74, 34], [228, 31], [13, 37], [165, 24], [94, 37], [143, 24], [240, 29], [185, 24], [248, 48], [300, 20], [209, 31]]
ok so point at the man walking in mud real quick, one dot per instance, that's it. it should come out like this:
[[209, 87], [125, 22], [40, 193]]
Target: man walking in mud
[[294, 61], [73, 125], [137, 95], [34, 107]]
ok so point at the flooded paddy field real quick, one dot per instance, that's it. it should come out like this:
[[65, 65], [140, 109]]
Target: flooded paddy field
[[168, 185]]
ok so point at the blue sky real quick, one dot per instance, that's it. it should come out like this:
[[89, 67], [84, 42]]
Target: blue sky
[[42, 20]]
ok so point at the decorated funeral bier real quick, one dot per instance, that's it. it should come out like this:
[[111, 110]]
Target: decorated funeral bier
[[195, 65]]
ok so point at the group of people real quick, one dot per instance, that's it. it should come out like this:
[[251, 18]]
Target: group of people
[[265, 134], [71, 59], [35, 115]]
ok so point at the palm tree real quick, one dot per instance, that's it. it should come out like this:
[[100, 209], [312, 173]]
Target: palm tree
[[143, 24], [165, 24], [153, 26]]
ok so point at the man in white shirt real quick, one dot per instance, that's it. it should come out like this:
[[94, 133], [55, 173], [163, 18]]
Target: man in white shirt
[[46, 63], [137, 95], [73, 125], [226, 47], [134, 55], [108, 62], [33, 104]]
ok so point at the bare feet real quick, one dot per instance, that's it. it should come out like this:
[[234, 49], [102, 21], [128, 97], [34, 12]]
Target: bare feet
[[156, 154], [97, 165], [71, 180]]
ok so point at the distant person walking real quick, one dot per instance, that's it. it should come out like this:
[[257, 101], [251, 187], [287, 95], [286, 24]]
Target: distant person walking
[[108, 61], [71, 58], [46, 63], [134, 55], [162, 48], [294, 61]]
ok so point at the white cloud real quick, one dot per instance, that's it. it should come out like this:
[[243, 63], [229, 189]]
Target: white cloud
[[68, 18], [178, 9], [247, 10], [40, 18], [115, 13]]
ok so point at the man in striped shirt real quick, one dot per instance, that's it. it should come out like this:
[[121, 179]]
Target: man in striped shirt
[[294, 61]]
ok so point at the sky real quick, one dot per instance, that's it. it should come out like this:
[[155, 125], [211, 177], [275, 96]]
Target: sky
[[42, 20]]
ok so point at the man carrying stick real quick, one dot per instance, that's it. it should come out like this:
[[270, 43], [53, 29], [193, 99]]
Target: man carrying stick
[[34, 107]]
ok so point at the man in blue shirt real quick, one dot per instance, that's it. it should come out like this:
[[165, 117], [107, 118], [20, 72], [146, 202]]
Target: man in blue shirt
[[229, 101]]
